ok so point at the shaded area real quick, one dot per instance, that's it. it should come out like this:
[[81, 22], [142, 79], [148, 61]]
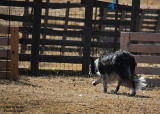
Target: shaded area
[[49, 72]]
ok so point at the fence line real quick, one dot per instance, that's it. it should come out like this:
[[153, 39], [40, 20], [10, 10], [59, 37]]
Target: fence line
[[70, 33]]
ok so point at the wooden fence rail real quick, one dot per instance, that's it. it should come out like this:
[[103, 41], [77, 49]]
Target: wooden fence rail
[[9, 53]]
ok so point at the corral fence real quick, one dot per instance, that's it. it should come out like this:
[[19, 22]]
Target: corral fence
[[9, 53], [146, 50], [62, 36]]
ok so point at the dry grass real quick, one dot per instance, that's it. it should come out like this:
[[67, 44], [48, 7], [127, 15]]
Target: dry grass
[[72, 95], [60, 95]]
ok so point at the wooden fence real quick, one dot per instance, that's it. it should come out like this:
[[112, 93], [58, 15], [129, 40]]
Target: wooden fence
[[69, 29], [146, 48], [149, 20], [9, 53]]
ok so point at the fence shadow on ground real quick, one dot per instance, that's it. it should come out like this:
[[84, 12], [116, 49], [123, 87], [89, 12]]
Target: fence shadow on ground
[[20, 82], [27, 84]]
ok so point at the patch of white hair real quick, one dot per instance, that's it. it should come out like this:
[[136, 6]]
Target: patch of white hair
[[96, 65], [140, 83]]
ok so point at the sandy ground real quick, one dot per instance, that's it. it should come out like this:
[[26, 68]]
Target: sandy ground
[[73, 95]]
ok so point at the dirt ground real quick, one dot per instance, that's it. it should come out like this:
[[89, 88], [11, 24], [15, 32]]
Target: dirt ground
[[73, 95]]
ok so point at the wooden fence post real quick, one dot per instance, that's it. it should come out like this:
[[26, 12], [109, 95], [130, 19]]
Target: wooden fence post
[[116, 27], [87, 36], [45, 25], [65, 26], [135, 15], [14, 53], [25, 33], [9, 63], [158, 23], [124, 41], [36, 37], [123, 14]]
